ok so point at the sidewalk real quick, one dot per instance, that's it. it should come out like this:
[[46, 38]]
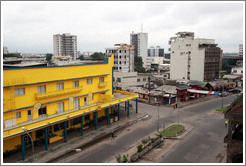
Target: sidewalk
[[76, 141]]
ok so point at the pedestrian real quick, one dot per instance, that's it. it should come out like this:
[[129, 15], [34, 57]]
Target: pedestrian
[[226, 123]]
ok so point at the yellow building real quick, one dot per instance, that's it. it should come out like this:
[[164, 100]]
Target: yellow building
[[48, 101]]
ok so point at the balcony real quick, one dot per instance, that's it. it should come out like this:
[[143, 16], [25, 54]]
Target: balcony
[[58, 92], [102, 84]]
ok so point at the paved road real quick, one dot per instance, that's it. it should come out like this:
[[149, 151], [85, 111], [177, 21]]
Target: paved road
[[196, 147]]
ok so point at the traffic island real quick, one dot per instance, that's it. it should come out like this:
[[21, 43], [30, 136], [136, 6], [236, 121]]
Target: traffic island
[[173, 131], [140, 149], [221, 109]]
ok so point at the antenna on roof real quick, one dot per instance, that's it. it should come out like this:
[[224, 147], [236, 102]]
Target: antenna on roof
[[141, 27]]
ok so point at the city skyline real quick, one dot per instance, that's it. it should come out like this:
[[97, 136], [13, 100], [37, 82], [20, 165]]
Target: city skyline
[[30, 26]]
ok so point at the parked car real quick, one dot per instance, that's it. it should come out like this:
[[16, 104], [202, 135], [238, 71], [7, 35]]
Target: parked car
[[234, 91], [223, 94]]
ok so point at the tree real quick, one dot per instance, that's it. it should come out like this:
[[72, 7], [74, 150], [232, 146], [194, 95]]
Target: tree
[[225, 66], [12, 55], [48, 57], [81, 57], [98, 55], [138, 64]]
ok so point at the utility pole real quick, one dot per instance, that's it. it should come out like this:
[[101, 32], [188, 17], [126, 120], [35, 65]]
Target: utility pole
[[149, 88]]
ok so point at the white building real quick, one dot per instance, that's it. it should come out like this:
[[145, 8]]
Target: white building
[[140, 43], [148, 61], [130, 79], [237, 70], [5, 50], [123, 57], [65, 45], [240, 53], [194, 59]]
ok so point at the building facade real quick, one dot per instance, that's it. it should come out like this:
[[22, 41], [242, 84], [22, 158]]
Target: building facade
[[140, 43], [156, 51], [123, 57], [194, 59], [240, 53], [148, 61], [46, 102], [237, 70], [65, 45]]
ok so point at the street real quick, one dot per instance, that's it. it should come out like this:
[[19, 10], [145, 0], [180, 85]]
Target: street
[[201, 145]]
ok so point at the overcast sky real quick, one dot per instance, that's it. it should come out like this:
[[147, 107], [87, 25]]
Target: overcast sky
[[28, 27]]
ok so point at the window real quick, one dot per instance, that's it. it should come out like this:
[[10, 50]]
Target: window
[[101, 79], [138, 80], [42, 111], [118, 80], [19, 91], [89, 81], [41, 89], [76, 104], [241, 71], [234, 71], [18, 115], [60, 107], [60, 86], [144, 79], [75, 84]]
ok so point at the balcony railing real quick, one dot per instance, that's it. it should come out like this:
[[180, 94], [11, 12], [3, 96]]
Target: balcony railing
[[102, 84], [58, 92]]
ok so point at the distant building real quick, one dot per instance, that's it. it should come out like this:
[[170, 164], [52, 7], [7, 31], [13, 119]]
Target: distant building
[[5, 50], [240, 53], [194, 59], [123, 57], [148, 61], [237, 70], [140, 43], [155, 51], [65, 45]]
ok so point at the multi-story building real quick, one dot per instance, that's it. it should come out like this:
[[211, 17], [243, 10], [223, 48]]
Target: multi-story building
[[156, 51], [148, 61], [140, 43], [65, 44], [5, 50], [240, 53], [123, 57], [194, 59], [48, 101]]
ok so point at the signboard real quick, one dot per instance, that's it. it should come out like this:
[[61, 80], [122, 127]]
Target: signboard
[[124, 69], [203, 92]]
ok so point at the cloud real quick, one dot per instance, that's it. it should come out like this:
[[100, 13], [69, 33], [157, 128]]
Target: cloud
[[30, 26]]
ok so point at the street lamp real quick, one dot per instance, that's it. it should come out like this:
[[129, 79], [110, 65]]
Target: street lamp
[[70, 150], [23, 128]]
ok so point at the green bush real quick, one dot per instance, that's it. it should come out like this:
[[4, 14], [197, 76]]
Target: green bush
[[118, 158], [144, 141], [125, 159], [140, 148]]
